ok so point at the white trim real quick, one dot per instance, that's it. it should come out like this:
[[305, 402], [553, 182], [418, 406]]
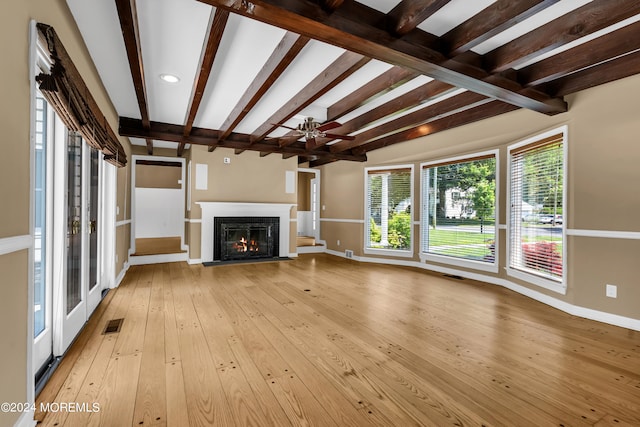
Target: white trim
[[311, 249], [122, 273], [460, 262], [606, 234], [354, 221], [293, 219], [158, 259], [193, 220], [534, 279], [415, 223], [389, 252], [293, 255], [192, 261], [14, 244], [587, 313], [502, 226], [26, 420], [123, 222]]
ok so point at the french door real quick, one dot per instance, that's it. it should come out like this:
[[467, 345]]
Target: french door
[[68, 284]]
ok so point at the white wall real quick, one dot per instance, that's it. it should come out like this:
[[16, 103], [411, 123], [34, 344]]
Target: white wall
[[159, 212]]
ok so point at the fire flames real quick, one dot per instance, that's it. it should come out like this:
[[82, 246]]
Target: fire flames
[[243, 245]]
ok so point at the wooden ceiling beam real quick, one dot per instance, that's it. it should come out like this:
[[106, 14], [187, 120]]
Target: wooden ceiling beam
[[237, 141], [615, 69], [331, 5], [385, 82], [217, 23], [597, 51], [361, 29], [501, 15], [318, 163], [455, 104], [408, 14], [347, 64], [286, 51], [481, 112], [583, 21], [419, 95], [128, 16]]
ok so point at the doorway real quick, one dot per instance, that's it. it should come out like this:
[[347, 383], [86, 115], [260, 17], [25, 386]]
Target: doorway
[[308, 220], [158, 209]]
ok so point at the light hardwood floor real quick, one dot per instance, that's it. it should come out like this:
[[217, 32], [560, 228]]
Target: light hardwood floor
[[322, 341]]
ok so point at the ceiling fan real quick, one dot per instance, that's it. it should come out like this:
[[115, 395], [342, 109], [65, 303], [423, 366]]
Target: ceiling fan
[[311, 130]]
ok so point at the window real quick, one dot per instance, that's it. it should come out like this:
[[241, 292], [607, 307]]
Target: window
[[388, 221], [459, 211], [536, 221], [40, 218]]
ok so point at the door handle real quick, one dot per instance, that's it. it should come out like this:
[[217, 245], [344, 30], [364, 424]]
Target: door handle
[[92, 226], [75, 226]]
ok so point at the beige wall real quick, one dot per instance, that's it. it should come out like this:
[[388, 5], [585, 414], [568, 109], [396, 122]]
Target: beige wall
[[15, 171], [152, 176], [304, 190], [13, 330], [248, 178], [603, 176]]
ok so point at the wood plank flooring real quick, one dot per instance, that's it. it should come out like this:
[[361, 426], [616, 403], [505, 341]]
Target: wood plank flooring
[[323, 341]]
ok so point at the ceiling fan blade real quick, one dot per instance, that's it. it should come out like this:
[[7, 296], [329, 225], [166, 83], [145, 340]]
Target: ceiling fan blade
[[311, 143], [328, 125], [344, 137]]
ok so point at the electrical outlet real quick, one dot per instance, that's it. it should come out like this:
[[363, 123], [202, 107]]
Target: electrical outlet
[[338, 243], [323, 207], [227, 160], [348, 253], [612, 291], [117, 210]]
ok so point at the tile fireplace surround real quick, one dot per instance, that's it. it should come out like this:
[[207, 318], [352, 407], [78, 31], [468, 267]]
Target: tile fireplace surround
[[210, 210]]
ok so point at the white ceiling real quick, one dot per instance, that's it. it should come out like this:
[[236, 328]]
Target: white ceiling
[[172, 34]]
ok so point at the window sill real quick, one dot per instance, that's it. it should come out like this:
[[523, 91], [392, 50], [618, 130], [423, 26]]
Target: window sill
[[552, 285], [389, 252], [458, 262]]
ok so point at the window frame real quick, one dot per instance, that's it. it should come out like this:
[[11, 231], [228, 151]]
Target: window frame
[[532, 278], [404, 253], [426, 257]]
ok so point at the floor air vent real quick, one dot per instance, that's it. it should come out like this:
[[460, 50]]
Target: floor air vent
[[453, 276], [113, 326]]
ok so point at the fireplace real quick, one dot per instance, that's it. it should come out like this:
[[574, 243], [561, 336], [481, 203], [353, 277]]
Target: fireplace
[[245, 238]]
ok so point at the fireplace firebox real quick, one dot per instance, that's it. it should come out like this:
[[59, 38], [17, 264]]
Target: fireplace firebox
[[245, 238]]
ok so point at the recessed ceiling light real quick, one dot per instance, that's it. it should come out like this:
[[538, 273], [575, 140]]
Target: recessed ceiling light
[[169, 78]]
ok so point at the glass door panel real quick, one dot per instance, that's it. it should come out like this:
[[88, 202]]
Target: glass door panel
[[74, 224]]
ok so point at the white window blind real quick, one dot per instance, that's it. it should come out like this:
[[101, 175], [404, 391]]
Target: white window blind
[[388, 209], [458, 209], [536, 219]]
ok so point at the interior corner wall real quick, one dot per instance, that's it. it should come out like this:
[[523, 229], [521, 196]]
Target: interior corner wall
[[15, 171], [602, 193]]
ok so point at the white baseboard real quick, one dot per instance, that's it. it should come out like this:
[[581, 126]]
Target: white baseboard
[[120, 277], [311, 249], [293, 255], [25, 420], [158, 259], [587, 313], [192, 261]]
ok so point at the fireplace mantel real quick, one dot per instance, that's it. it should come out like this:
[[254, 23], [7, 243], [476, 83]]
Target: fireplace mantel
[[210, 210]]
